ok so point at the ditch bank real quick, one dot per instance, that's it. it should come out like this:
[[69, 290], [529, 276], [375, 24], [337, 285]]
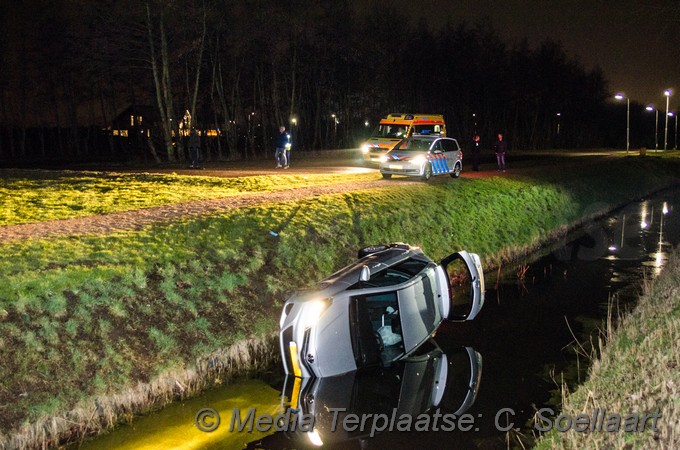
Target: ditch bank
[[635, 373], [502, 219]]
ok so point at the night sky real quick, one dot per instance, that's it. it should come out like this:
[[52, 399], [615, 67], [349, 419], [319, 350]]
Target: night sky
[[635, 42]]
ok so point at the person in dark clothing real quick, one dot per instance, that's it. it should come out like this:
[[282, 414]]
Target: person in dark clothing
[[195, 149], [476, 148], [500, 147], [282, 144]]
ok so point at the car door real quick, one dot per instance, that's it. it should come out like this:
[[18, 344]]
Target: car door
[[451, 152], [465, 279], [437, 158]]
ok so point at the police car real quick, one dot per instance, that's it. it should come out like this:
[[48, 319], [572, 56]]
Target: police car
[[423, 156]]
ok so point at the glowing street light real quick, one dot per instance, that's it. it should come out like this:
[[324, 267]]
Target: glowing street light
[[656, 126], [668, 94], [559, 115], [672, 114], [621, 97]]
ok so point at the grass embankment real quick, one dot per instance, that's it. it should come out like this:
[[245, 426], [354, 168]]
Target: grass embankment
[[638, 371], [87, 317], [38, 195]]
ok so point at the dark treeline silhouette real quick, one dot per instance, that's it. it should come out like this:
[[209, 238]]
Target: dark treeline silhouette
[[75, 71]]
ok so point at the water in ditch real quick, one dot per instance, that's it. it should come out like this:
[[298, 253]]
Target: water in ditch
[[487, 376]]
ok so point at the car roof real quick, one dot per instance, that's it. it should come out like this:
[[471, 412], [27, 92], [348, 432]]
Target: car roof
[[349, 275]]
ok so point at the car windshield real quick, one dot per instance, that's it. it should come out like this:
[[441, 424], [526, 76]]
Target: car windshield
[[390, 131], [414, 145]]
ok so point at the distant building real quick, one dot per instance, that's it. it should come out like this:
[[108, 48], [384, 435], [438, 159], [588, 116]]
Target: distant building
[[135, 120]]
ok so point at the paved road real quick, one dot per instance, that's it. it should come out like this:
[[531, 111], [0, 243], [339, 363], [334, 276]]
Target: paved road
[[327, 163]]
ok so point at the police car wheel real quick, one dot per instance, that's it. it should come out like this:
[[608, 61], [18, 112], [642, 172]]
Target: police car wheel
[[387, 176], [456, 171], [427, 172]]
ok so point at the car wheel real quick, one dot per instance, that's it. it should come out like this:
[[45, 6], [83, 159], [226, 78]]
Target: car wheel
[[427, 172], [456, 171], [387, 176], [370, 250]]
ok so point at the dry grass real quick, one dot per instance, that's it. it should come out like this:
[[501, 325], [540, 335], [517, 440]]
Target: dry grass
[[638, 371], [104, 412]]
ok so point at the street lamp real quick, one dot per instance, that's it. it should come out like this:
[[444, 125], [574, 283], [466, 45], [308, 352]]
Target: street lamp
[[250, 133], [667, 93], [559, 115], [335, 129], [675, 142], [656, 126], [293, 129], [621, 97]]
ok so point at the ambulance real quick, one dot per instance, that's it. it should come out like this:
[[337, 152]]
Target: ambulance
[[396, 126]]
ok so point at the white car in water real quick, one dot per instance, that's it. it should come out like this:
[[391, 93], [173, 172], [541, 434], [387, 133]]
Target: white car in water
[[377, 310]]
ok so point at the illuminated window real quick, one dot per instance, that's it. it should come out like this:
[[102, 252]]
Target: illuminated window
[[132, 121], [139, 120]]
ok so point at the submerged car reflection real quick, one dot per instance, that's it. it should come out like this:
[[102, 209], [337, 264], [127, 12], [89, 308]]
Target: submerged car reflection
[[378, 310], [430, 380]]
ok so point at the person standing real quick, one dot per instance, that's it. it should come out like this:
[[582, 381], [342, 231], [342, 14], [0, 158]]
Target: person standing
[[476, 149], [282, 140], [500, 148], [195, 148]]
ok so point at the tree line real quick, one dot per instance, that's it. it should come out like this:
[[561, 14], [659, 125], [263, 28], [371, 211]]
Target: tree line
[[244, 67]]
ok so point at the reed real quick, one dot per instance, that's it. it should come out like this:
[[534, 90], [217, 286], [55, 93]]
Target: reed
[[636, 371]]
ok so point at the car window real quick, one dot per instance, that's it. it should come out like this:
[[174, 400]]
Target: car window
[[418, 310], [397, 274], [450, 145], [427, 129], [376, 327], [390, 131], [437, 146], [414, 145]]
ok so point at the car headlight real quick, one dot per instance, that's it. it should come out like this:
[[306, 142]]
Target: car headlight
[[365, 148], [418, 160], [383, 158], [311, 312]]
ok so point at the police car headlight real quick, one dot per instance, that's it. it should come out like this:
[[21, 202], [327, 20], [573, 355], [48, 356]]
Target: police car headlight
[[418, 160], [365, 148], [383, 158]]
